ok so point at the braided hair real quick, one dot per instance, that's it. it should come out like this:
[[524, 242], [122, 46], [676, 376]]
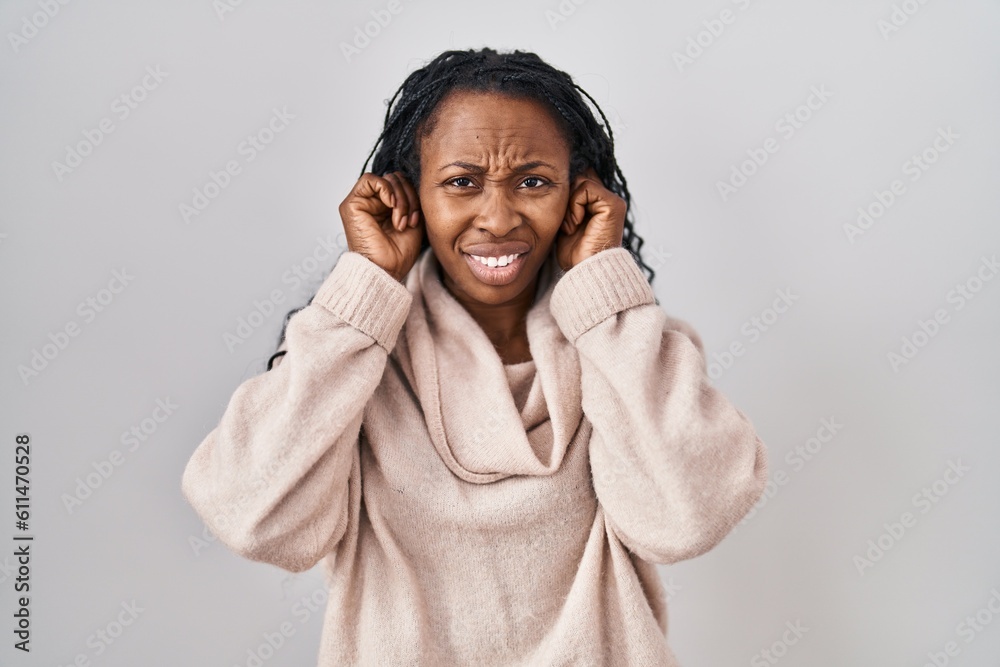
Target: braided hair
[[413, 111]]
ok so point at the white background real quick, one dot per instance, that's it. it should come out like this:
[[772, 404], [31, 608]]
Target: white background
[[679, 130]]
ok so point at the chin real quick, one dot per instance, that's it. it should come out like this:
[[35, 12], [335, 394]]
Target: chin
[[474, 287]]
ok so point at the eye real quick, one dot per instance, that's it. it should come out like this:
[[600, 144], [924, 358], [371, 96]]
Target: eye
[[455, 180], [541, 182]]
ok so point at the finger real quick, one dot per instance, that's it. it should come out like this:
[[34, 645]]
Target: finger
[[410, 213], [567, 225], [578, 207], [403, 200], [394, 213], [376, 185], [412, 198], [399, 201]]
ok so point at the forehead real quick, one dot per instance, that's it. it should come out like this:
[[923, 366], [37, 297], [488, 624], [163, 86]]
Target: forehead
[[473, 122]]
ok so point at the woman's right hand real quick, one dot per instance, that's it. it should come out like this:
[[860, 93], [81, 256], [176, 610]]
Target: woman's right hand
[[383, 222]]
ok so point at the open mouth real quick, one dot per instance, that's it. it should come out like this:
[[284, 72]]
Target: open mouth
[[497, 271]]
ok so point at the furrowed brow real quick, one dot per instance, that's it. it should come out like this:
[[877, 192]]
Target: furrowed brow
[[478, 169]]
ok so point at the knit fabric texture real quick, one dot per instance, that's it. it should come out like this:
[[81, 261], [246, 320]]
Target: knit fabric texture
[[471, 513]]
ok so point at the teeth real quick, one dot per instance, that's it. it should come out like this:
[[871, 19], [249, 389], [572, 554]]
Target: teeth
[[503, 260]]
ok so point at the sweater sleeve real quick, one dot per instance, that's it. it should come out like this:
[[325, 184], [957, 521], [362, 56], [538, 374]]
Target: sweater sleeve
[[675, 465], [271, 481]]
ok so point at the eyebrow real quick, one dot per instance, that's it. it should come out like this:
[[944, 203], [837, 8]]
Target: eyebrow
[[477, 169]]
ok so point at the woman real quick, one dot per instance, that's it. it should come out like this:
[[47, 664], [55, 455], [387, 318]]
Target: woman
[[483, 423]]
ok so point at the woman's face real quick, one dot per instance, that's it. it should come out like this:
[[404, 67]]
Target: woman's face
[[494, 182]]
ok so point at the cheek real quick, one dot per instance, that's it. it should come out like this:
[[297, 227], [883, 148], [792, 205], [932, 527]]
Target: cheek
[[441, 232], [554, 213], [440, 223], [443, 218]]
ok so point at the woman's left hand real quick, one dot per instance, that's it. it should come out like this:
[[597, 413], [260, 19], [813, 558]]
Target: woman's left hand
[[595, 221]]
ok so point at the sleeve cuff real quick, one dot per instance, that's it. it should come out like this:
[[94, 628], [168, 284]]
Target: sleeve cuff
[[595, 289], [364, 295]]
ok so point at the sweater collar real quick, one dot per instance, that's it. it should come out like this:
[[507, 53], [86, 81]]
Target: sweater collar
[[463, 389]]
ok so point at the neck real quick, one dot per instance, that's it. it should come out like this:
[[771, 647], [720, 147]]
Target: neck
[[504, 324]]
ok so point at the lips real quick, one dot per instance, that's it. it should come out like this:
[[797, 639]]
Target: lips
[[495, 275]]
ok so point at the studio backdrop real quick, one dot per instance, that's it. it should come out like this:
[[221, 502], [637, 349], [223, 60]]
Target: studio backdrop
[[817, 187]]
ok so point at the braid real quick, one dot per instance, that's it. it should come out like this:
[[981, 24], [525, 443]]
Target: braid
[[411, 114]]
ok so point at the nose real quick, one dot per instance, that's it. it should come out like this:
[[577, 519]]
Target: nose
[[498, 213]]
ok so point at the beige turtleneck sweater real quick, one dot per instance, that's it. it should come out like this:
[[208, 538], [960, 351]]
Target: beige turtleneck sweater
[[471, 513]]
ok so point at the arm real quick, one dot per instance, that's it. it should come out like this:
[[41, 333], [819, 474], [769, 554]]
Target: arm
[[271, 480], [675, 465]]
